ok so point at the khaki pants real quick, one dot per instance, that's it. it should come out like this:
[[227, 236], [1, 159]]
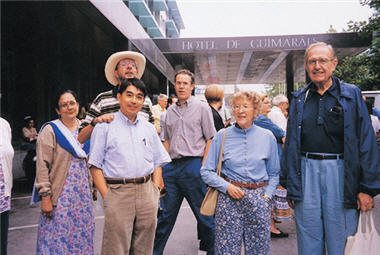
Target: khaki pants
[[130, 218]]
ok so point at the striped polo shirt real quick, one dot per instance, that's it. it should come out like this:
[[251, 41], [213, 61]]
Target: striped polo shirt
[[105, 102]]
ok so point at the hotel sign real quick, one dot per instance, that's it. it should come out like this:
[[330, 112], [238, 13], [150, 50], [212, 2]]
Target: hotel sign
[[260, 43], [252, 44]]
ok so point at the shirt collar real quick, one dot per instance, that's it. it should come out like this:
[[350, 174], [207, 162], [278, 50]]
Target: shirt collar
[[127, 121], [161, 109], [243, 131], [187, 102], [313, 88], [341, 90], [333, 90]]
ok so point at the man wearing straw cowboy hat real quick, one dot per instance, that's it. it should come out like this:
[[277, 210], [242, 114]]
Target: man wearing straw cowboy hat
[[119, 66]]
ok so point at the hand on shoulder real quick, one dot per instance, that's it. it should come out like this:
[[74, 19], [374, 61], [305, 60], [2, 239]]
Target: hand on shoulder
[[108, 117]]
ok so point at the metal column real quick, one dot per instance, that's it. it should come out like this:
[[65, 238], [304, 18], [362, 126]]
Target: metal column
[[289, 75]]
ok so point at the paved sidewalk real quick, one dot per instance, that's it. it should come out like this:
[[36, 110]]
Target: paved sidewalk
[[183, 241]]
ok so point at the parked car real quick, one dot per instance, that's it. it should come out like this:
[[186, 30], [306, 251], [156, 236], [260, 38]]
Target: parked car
[[374, 97]]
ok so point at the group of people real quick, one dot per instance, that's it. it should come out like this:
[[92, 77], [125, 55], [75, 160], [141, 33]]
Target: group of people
[[329, 165], [324, 155]]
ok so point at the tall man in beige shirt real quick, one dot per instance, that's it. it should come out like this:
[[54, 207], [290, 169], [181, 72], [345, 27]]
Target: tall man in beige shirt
[[189, 128]]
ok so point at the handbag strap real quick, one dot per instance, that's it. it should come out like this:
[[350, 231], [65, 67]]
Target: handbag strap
[[360, 222], [218, 170], [373, 224], [369, 225]]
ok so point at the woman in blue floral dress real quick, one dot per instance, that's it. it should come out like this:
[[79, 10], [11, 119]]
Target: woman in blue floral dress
[[66, 224], [249, 177]]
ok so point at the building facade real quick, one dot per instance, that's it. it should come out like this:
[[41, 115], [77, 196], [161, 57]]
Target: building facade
[[159, 18], [48, 46]]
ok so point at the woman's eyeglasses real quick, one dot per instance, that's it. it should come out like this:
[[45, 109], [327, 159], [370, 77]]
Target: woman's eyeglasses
[[65, 105]]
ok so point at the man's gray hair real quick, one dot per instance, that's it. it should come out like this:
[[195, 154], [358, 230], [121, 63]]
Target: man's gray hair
[[323, 44], [277, 100], [162, 97]]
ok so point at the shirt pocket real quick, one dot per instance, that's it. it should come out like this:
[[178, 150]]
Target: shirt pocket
[[147, 145], [334, 122]]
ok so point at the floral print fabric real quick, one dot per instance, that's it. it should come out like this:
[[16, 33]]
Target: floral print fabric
[[281, 207], [71, 229], [5, 201], [247, 219]]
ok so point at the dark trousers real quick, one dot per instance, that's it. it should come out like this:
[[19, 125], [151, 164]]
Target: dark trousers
[[182, 180], [4, 223]]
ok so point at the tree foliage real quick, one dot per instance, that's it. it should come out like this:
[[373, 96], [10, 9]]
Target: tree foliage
[[364, 70], [356, 70]]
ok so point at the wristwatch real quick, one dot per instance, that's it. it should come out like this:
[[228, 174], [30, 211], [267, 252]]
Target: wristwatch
[[44, 194], [93, 123]]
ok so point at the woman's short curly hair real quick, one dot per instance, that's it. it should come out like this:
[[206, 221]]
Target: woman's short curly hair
[[251, 96]]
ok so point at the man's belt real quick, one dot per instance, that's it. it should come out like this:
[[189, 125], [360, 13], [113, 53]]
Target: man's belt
[[137, 180], [321, 156], [245, 185]]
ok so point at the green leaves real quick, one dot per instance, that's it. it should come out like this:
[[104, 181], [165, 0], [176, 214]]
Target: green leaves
[[364, 70]]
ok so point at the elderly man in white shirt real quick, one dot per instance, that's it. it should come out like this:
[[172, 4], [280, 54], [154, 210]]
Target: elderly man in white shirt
[[158, 110], [276, 115]]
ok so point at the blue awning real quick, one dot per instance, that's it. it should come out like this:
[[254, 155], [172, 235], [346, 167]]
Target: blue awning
[[147, 21], [155, 32], [176, 15], [172, 29], [139, 7], [160, 5]]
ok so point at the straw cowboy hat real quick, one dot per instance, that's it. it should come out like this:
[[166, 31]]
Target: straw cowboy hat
[[115, 58]]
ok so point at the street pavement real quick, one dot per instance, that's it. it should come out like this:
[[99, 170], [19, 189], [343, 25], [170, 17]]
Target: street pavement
[[183, 240]]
